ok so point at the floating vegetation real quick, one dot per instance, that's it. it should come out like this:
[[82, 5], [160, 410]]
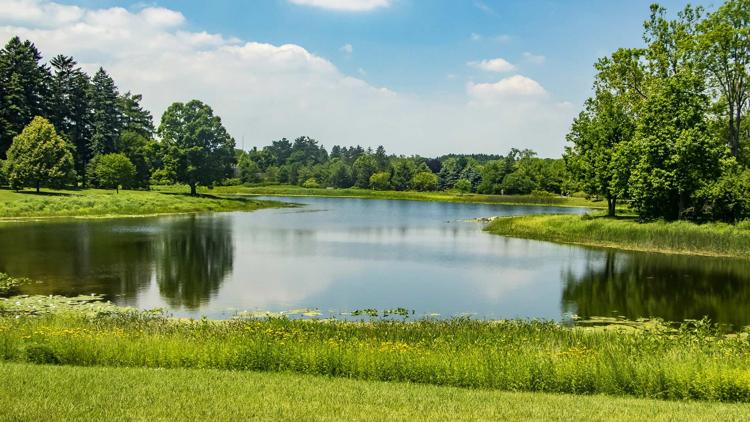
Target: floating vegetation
[[10, 285]]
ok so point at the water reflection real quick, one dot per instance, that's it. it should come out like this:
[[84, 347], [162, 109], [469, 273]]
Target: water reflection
[[667, 286], [194, 256], [188, 257], [345, 254]]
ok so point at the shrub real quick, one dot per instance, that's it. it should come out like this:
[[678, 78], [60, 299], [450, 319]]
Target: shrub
[[463, 186], [113, 171], [380, 181], [311, 183], [424, 181], [727, 199]]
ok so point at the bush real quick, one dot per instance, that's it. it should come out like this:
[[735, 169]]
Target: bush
[[3, 177], [727, 199], [380, 181], [463, 186], [311, 183], [424, 181], [112, 171]]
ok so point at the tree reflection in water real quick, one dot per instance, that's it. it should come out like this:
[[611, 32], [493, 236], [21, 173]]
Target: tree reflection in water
[[671, 287]]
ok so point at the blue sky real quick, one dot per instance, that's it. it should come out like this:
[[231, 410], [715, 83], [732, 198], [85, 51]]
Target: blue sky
[[426, 54]]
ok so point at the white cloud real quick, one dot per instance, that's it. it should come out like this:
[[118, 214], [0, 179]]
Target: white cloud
[[347, 48], [512, 87], [534, 58], [475, 37], [493, 65], [484, 8], [345, 5], [264, 92]]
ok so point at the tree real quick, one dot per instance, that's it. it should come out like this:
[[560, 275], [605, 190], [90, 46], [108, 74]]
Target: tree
[[70, 108], [24, 89], [402, 171], [114, 170], [424, 181], [724, 43], [106, 119], [198, 148], [249, 170], [380, 180], [39, 157], [364, 167], [463, 186], [340, 176], [143, 152], [597, 134], [133, 117]]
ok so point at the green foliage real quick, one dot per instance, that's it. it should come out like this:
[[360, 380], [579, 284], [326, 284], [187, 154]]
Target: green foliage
[[198, 149], [727, 199], [9, 285], [463, 186], [248, 169], [380, 181], [113, 170], [39, 157], [362, 169], [106, 117], [646, 359], [311, 183], [424, 181]]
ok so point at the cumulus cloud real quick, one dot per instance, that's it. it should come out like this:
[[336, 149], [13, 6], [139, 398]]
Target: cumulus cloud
[[534, 58], [493, 65], [264, 92], [345, 5], [512, 87]]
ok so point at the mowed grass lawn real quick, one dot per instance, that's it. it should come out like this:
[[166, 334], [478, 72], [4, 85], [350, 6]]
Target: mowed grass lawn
[[681, 237], [38, 392], [105, 203]]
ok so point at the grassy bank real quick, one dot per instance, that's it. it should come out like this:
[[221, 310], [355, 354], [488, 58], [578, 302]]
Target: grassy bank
[[712, 239], [32, 392], [290, 190], [693, 362], [104, 203]]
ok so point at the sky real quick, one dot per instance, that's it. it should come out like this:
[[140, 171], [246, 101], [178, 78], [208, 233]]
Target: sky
[[425, 77]]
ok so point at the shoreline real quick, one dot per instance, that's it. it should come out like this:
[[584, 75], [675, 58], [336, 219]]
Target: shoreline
[[668, 238]]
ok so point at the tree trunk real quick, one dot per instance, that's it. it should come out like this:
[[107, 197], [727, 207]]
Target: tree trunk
[[37, 186], [611, 206], [193, 190]]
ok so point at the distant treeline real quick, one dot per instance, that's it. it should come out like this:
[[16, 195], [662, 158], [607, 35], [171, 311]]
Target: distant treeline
[[60, 127]]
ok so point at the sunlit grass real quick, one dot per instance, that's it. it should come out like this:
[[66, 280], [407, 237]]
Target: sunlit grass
[[717, 239], [35, 392], [95, 202], [694, 362]]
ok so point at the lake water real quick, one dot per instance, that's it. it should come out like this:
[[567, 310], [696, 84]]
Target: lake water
[[340, 255]]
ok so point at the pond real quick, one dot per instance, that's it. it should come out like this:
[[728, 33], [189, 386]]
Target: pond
[[343, 254]]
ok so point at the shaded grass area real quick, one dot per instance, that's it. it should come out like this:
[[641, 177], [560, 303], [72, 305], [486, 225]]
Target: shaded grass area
[[33, 392], [653, 361], [101, 203], [291, 190], [680, 237]]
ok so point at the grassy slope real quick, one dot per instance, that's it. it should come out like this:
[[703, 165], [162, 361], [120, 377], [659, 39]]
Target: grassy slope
[[96, 203], [714, 239], [30, 392], [290, 190]]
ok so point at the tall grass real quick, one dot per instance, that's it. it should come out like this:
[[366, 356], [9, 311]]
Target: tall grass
[[718, 239], [693, 362], [291, 190], [94, 202]]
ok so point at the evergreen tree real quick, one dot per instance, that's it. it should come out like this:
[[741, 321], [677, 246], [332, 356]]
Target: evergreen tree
[[106, 120], [24, 88]]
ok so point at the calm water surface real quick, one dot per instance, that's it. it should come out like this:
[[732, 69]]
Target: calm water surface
[[339, 255]]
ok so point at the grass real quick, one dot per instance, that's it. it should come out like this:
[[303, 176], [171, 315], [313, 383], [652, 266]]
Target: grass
[[106, 203], [291, 190], [680, 237], [33, 392], [651, 361]]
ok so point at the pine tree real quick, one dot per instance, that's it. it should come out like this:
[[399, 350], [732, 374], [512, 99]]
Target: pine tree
[[106, 120], [25, 89]]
